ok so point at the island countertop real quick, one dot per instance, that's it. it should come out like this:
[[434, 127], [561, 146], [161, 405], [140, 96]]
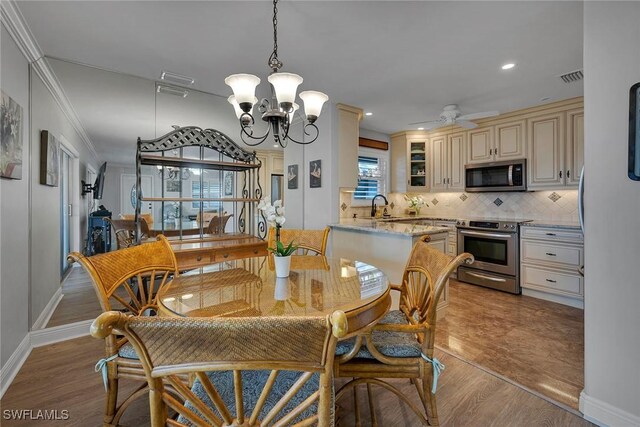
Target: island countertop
[[373, 226]]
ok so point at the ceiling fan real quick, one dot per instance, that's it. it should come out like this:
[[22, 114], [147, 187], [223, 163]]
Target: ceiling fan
[[451, 116]]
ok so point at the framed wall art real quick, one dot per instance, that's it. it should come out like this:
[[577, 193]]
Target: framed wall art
[[49, 159], [634, 132], [173, 185], [11, 123], [315, 174], [292, 177], [228, 183]]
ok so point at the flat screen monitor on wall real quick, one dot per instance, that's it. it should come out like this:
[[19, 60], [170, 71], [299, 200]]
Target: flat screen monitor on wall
[[98, 185]]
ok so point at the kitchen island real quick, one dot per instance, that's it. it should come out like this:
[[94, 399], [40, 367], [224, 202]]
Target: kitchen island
[[386, 245]]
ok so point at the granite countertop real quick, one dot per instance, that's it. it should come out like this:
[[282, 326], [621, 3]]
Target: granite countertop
[[374, 226], [550, 223], [407, 218]]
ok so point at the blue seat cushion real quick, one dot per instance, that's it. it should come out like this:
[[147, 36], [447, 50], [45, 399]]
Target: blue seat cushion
[[127, 351], [389, 343], [252, 385]]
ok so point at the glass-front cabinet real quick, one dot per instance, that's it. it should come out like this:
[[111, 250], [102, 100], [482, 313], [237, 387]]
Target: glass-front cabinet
[[417, 164]]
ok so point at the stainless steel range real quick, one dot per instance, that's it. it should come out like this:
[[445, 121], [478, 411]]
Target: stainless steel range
[[495, 244]]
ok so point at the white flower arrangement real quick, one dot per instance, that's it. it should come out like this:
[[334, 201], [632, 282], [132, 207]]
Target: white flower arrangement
[[415, 202], [274, 214]]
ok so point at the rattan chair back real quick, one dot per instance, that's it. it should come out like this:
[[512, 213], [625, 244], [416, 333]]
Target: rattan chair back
[[124, 230], [217, 224], [114, 273], [201, 347], [310, 242]]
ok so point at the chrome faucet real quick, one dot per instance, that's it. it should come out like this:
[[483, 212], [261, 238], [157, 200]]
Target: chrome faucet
[[373, 204]]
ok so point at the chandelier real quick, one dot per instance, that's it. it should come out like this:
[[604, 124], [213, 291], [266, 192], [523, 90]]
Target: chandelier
[[278, 111]]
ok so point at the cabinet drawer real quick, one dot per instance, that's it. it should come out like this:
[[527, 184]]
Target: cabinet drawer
[[193, 259], [552, 234], [228, 254], [548, 253], [548, 280]]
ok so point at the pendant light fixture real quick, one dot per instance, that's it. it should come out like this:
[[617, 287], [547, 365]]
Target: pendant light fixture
[[278, 111]]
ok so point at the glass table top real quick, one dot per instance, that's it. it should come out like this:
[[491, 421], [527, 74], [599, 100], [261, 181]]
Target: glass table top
[[316, 286]]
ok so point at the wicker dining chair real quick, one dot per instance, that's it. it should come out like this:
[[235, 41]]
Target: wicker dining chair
[[401, 344], [250, 371], [125, 230], [314, 241], [147, 267], [217, 224]]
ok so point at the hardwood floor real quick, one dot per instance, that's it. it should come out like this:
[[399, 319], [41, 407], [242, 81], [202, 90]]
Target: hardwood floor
[[536, 343], [79, 301], [61, 376]]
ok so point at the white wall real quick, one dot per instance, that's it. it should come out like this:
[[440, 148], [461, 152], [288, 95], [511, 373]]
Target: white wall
[[14, 205], [314, 208], [45, 200], [612, 236]]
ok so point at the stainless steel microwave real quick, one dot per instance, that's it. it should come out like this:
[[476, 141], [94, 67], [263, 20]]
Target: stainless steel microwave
[[509, 175]]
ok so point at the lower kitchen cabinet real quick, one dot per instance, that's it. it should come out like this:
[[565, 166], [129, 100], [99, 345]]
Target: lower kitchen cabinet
[[549, 262]]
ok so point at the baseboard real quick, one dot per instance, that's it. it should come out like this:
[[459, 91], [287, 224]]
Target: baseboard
[[60, 333], [604, 414], [13, 365], [560, 299], [43, 319]]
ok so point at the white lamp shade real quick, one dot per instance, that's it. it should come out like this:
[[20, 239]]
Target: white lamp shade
[[286, 86], [243, 86], [296, 107], [313, 102], [236, 107]]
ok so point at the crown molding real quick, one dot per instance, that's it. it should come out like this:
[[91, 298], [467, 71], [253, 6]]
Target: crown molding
[[15, 24], [17, 27]]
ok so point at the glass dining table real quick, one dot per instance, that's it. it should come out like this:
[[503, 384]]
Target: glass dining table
[[316, 286]]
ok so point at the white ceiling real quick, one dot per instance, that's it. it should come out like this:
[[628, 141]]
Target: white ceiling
[[403, 61]]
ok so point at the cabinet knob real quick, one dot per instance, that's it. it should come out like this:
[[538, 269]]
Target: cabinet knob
[[199, 258], [568, 175], [225, 255], [560, 173], [550, 254], [255, 251], [551, 281], [550, 234]]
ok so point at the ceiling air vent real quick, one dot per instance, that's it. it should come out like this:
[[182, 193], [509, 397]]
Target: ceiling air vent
[[176, 78], [172, 91], [572, 76]]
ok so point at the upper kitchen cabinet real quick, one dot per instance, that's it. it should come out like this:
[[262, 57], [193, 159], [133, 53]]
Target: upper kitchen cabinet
[[348, 136], [410, 162], [503, 141], [480, 148], [546, 151], [574, 153], [447, 161]]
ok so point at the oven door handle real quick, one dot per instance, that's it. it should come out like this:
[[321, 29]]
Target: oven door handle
[[482, 276], [481, 234], [510, 176]]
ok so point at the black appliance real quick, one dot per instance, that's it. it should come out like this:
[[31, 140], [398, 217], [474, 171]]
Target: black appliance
[[509, 175]]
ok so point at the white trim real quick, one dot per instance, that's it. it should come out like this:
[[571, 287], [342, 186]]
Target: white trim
[[60, 333], [43, 319], [605, 414], [560, 299], [19, 30], [14, 364]]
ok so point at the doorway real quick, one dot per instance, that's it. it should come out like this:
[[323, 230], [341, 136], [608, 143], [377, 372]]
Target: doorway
[[66, 206]]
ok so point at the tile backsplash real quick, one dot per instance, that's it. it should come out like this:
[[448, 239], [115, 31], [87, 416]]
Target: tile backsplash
[[561, 205]]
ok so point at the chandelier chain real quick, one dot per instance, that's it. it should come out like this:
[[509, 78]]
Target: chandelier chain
[[274, 62]]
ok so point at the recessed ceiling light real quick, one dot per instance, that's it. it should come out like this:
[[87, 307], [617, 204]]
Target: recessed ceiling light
[[368, 114], [275, 145], [420, 128], [508, 66]]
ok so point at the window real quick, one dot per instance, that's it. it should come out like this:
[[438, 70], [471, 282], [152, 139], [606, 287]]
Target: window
[[371, 177], [210, 189]]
